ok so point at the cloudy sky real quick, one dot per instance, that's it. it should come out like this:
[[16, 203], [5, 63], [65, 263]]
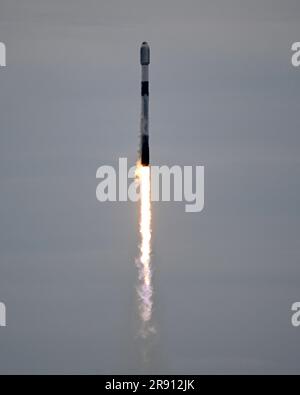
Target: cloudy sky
[[223, 95]]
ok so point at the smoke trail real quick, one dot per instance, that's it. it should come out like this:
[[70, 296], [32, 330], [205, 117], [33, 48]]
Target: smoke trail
[[145, 289]]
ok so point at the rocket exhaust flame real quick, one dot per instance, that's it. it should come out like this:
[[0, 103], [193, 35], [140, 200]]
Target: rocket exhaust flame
[[145, 290]]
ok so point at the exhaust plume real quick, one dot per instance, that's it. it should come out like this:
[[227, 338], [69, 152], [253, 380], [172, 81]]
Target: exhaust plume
[[145, 289]]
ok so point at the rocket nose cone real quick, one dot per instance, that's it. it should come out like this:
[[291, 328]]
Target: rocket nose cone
[[145, 53]]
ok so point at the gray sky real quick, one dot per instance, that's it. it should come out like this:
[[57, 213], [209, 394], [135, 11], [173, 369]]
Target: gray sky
[[223, 95]]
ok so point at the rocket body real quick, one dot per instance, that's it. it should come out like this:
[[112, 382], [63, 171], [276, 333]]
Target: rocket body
[[144, 147]]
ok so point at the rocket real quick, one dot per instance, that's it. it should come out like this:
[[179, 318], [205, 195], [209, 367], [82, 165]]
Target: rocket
[[144, 147]]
